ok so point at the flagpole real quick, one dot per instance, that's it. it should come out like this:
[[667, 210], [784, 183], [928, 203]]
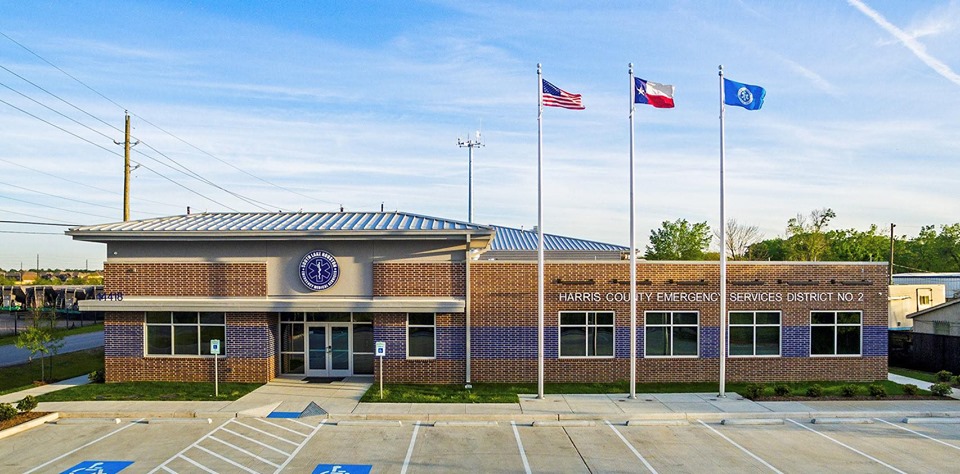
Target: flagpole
[[540, 234], [723, 257], [633, 254]]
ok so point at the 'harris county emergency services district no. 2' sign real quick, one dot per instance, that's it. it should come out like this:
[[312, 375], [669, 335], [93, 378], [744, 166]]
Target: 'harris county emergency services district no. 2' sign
[[319, 270]]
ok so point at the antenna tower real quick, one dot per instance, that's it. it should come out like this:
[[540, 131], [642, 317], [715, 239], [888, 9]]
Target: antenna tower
[[470, 145]]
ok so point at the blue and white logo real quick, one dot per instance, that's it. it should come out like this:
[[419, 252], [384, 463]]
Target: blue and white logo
[[343, 469], [745, 96], [98, 467], [319, 270]]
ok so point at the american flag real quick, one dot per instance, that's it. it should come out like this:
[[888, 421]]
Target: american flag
[[554, 96]]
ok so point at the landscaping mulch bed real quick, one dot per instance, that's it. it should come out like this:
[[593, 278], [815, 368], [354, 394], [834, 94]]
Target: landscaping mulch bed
[[21, 418]]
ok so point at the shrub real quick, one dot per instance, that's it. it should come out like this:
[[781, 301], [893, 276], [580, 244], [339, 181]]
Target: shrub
[[910, 389], [7, 411], [943, 376], [848, 390], [781, 389], [956, 381], [97, 376], [940, 389], [877, 390], [815, 391], [28, 403], [754, 391]]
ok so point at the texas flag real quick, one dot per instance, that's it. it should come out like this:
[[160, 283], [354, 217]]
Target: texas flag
[[657, 95]]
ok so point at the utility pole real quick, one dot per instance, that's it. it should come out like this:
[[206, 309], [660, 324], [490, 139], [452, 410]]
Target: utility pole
[[890, 264], [126, 165], [470, 145]]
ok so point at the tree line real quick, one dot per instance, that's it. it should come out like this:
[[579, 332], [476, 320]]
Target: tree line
[[809, 238]]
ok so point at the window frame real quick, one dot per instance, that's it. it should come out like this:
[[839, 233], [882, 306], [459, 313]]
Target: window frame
[[670, 326], [836, 325], [431, 326], [754, 325], [172, 325], [586, 331]]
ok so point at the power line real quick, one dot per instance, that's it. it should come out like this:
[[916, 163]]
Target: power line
[[38, 223], [54, 207], [61, 70], [197, 176], [62, 197], [29, 233], [80, 183], [32, 215], [230, 164]]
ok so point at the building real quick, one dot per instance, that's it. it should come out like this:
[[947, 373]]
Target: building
[[908, 299], [309, 294], [951, 281], [942, 319]]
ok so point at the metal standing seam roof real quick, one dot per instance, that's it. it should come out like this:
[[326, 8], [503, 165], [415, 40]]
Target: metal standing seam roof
[[508, 238], [284, 222]]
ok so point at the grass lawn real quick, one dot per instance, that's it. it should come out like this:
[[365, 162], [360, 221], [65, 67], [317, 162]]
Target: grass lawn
[[12, 338], [163, 391], [508, 393], [914, 374], [65, 366]]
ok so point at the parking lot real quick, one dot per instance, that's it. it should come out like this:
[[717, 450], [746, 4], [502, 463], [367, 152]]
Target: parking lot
[[263, 445]]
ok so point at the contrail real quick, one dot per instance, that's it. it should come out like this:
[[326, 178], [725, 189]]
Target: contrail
[[911, 43]]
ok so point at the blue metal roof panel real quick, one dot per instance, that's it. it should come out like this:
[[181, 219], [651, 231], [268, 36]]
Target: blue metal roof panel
[[508, 238]]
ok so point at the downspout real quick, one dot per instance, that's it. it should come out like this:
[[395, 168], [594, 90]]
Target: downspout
[[467, 311]]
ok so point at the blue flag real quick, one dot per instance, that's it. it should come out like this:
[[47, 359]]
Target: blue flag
[[743, 95]]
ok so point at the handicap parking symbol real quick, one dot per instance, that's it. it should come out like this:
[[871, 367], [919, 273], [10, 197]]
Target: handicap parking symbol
[[343, 469], [98, 467]]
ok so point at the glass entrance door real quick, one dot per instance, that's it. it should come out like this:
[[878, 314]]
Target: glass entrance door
[[328, 350]]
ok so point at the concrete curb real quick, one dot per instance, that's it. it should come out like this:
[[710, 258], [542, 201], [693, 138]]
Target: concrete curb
[[29, 425]]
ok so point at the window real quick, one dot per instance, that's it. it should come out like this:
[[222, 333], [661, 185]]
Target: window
[[672, 334], [754, 333], [586, 334], [924, 298], [835, 332], [421, 335], [184, 333]]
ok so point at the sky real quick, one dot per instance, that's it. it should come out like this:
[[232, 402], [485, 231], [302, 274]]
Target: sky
[[266, 106]]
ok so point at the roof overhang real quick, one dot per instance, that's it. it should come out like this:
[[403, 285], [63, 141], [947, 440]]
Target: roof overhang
[[257, 305]]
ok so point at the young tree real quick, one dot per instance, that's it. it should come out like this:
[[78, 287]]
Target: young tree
[[806, 240], [679, 240], [40, 338], [740, 238]]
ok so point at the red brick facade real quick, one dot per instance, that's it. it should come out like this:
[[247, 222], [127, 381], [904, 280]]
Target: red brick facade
[[186, 279], [418, 279]]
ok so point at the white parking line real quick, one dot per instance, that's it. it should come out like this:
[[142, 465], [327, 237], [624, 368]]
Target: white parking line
[[84, 446], [224, 459], [413, 439], [266, 433], [754, 456], [238, 448], [851, 448], [191, 461], [635, 452], [265, 445], [281, 427], [523, 454], [180, 454], [304, 443], [919, 434]]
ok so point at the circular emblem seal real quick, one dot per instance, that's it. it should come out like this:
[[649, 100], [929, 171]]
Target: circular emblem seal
[[745, 96], [319, 270]]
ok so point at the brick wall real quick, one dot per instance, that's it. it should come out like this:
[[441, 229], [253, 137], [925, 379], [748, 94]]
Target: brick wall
[[504, 315], [186, 279], [249, 346], [419, 279]]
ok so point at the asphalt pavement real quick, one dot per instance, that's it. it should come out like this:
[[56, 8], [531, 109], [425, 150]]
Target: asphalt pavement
[[12, 355]]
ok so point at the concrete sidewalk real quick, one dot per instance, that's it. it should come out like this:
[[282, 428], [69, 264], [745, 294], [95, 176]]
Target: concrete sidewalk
[[341, 401]]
